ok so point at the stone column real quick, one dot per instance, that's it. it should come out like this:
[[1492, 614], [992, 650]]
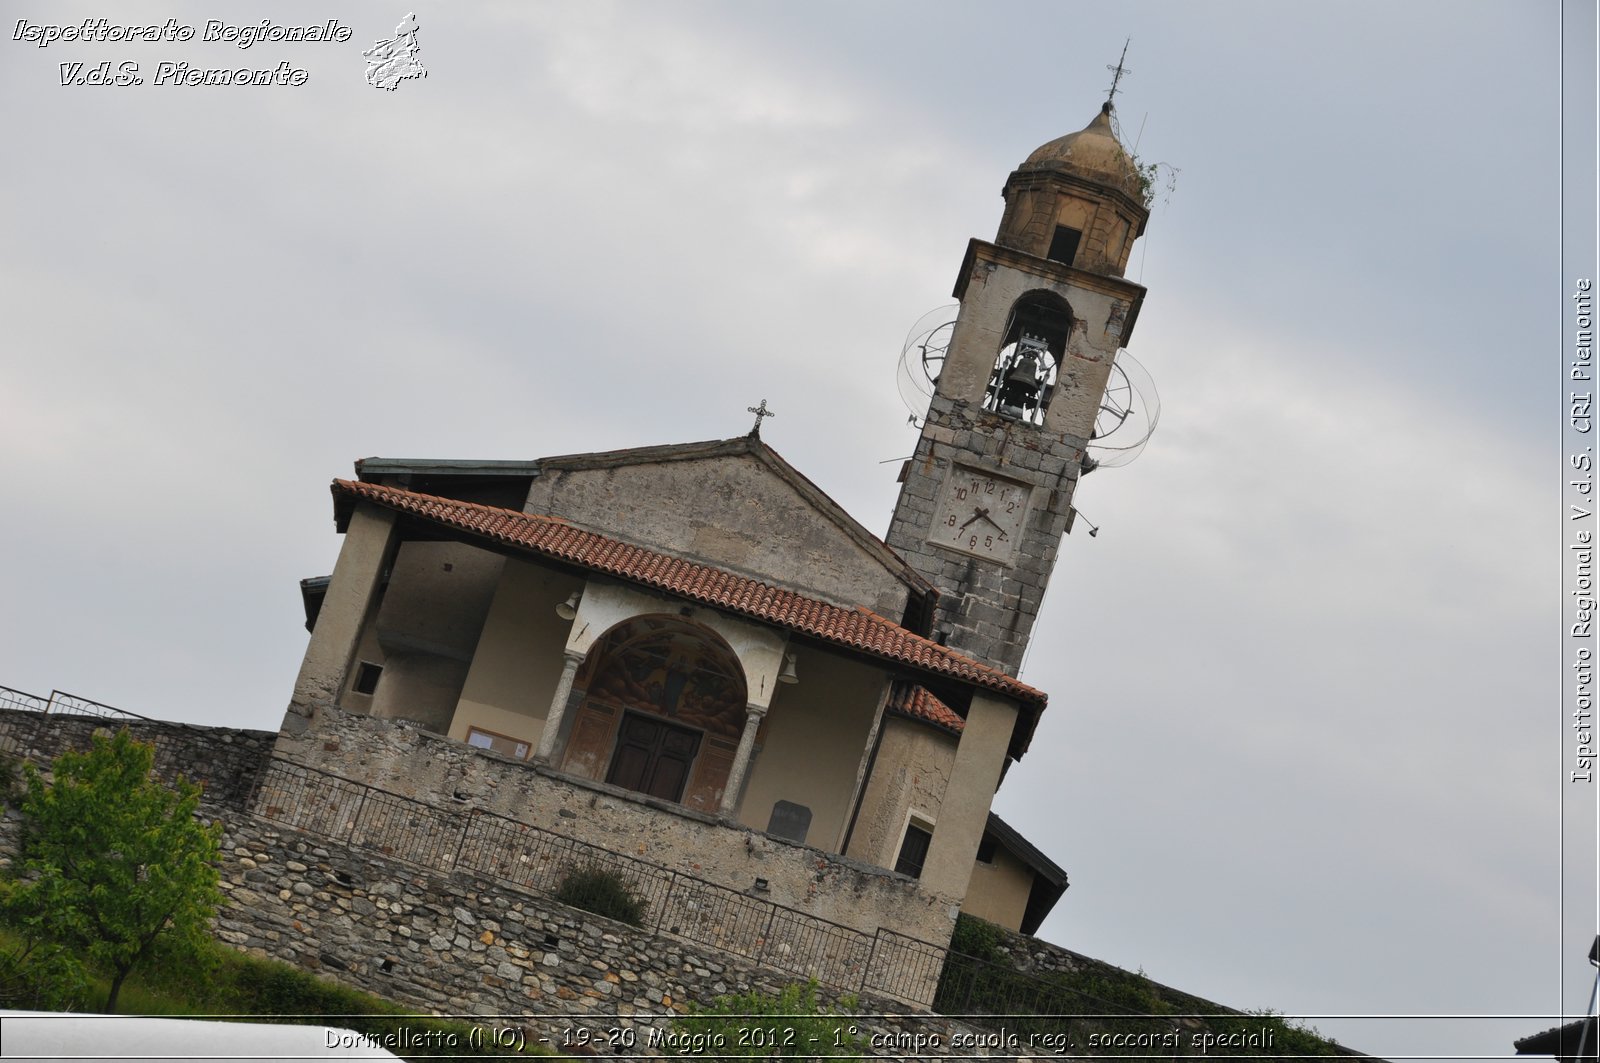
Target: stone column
[[964, 812], [558, 706], [753, 715], [352, 589]]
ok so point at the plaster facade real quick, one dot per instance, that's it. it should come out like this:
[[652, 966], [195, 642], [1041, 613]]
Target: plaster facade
[[974, 777], [732, 506], [908, 780], [998, 890], [508, 689], [810, 746], [353, 595]]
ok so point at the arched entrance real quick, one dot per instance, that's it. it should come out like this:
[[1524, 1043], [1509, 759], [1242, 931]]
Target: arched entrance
[[661, 704]]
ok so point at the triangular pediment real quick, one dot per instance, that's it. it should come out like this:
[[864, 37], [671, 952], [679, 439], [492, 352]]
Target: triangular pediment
[[734, 503]]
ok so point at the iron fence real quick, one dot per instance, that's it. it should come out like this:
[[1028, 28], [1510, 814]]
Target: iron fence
[[901, 964], [313, 802], [412, 830], [29, 714], [16, 699], [538, 860], [64, 704]]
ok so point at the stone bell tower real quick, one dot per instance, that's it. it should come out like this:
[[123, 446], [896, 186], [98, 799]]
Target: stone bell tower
[[987, 495]]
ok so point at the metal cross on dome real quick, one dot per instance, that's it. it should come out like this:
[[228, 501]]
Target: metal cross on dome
[[1118, 71], [761, 412]]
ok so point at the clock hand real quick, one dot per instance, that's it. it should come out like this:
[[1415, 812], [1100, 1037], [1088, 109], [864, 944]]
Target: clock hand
[[977, 513]]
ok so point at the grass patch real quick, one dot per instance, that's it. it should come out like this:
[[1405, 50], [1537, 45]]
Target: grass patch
[[761, 1025], [979, 982], [225, 984]]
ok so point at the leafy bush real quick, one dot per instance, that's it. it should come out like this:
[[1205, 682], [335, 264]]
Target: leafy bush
[[978, 939], [791, 1025], [10, 781], [41, 976], [603, 892], [112, 860]]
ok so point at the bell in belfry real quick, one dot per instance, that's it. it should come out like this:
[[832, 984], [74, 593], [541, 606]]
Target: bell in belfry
[[1019, 391]]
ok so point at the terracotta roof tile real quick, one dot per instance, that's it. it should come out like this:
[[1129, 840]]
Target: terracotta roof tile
[[858, 628], [917, 703]]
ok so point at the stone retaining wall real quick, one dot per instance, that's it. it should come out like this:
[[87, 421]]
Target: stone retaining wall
[[460, 944], [225, 760]]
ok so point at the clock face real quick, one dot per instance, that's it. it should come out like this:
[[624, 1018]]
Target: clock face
[[980, 514]]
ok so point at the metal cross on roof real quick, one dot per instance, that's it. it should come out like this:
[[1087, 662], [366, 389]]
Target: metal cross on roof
[[760, 412], [1118, 70]]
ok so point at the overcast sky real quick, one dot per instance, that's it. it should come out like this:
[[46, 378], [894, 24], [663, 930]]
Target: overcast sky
[[1305, 735]]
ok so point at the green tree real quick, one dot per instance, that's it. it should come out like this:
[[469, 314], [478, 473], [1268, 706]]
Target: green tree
[[113, 860]]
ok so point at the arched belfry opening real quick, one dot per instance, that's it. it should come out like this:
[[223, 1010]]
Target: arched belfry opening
[[1025, 369], [660, 708]]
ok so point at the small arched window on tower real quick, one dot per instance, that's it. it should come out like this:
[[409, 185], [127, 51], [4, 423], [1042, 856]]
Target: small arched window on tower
[[1024, 376]]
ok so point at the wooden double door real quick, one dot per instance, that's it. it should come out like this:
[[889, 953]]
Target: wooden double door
[[653, 756]]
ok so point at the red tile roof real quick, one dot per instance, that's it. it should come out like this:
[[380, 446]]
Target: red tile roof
[[917, 703], [859, 629]]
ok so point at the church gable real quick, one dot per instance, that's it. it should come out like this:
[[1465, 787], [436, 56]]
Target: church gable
[[734, 504]]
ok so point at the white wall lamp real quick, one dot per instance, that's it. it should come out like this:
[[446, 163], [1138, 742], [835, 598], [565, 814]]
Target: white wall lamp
[[787, 674]]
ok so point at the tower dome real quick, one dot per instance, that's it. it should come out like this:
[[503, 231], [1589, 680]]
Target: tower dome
[[1078, 200], [1092, 154]]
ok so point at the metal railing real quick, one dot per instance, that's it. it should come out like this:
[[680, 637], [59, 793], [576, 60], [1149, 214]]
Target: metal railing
[[18, 732], [905, 967], [63, 704], [538, 860], [16, 699]]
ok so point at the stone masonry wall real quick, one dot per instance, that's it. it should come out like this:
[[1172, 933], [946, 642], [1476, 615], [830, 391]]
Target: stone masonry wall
[[988, 610], [461, 944], [224, 760]]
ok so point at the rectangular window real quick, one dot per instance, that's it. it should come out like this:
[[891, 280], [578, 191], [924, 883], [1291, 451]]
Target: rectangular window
[[986, 849], [1064, 246], [367, 677], [913, 851], [499, 743]]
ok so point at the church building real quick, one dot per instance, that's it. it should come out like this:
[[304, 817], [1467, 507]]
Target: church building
[[689, 654]]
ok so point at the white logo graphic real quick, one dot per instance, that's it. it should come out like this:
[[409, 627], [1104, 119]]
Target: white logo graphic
[[392, 61]]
